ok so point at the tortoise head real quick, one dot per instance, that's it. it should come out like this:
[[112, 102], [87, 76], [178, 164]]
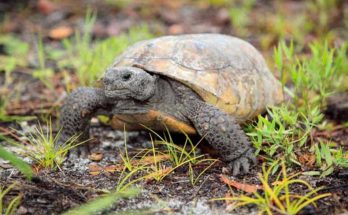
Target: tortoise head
[[129, 83]]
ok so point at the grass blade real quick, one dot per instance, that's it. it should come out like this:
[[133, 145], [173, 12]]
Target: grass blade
[[22, 166]]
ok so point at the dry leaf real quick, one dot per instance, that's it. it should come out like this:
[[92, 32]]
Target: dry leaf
[[249, 188], [46, 6], [176, 29], [114, 168], [151, 159], [159, 173], [60, 32], [96, 156], [307, 159], [95, 169]]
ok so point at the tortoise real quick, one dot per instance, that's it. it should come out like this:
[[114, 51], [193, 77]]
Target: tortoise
[[197, 83]]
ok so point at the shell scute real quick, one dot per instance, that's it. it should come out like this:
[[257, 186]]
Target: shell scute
[[225, 71]]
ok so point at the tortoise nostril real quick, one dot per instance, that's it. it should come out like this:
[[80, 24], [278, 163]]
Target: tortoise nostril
[[107, 81], [126, 77]]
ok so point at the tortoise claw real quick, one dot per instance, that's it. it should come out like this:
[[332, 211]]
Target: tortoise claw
[[242, 164]]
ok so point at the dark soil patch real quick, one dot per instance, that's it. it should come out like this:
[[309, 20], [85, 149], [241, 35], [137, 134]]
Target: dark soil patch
[[53, 192]]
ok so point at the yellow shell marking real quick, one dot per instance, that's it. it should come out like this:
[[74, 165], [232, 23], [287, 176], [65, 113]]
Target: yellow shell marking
[[155, 120]]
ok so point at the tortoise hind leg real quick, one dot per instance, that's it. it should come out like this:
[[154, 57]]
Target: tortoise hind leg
[[76, 113], [226, 136]]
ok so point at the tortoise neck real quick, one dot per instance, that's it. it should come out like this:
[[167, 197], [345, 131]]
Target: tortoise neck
[[190, 101]]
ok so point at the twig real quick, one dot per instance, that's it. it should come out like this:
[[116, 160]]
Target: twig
[[7, 132]]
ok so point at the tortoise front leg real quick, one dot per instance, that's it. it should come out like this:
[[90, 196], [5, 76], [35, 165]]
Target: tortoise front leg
[[221, 131], [78, 109], [225, 135]]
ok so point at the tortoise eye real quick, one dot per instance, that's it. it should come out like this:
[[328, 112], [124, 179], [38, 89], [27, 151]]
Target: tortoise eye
[[126, 77]]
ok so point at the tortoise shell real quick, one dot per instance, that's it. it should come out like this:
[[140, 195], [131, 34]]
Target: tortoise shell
[[225, 71]]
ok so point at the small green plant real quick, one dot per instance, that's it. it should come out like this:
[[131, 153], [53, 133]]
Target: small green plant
[[156, 168], [90, 61], [217, 3], [16, 56], [313, 79], [322, 11], [327, 156], [178, 154], [127, 160], [283, 130], [239, 15], [138, 164], [284, 26], [43, 73], [135, 165], [119, 4], [11, 207], [181, 156], [125, 180], [43, 149], [276, 197]]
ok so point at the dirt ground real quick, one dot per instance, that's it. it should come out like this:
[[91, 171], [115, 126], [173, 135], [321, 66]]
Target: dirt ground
[[52, 192]]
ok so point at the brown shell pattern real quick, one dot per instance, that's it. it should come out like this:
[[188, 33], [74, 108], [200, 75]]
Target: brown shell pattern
[[225, 71]]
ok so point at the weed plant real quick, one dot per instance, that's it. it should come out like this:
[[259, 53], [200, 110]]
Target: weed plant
[[16, 52], [43, 149], [43, 73], [276, 197], [308, 81], [239, 16], [90, 61], [158, 168]]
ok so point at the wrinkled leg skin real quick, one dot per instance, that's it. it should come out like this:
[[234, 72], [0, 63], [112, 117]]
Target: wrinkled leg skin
[[226, 136], [77, 110], [221, 131]]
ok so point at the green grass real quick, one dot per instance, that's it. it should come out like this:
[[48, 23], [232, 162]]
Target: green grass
[[283, 132], [327, 157], [42, 147], [240, 16], [158, 163], [276, 22], [13, 204], [277, 197], [89, 60], [119, 4], [323, 11], [16, 52], [181, 156], [178, 154], [21, 165], [308, 80], [102, 203], [43, 73]]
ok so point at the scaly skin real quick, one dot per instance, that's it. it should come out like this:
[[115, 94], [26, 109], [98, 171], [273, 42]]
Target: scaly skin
[[77, 111], [220, 130]]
